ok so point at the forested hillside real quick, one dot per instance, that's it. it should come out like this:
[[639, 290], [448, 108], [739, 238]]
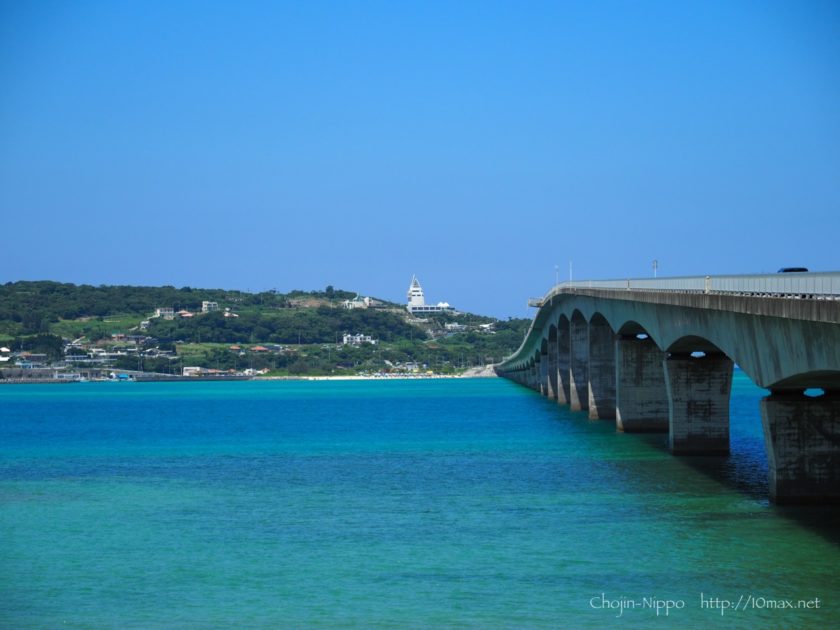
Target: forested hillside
[[306, 329], [28, 308], [298, 326]]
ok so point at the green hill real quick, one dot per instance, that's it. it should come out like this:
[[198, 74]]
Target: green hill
[[299, 333]]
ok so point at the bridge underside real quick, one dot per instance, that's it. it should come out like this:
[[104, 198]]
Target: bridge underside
[[665, 368]]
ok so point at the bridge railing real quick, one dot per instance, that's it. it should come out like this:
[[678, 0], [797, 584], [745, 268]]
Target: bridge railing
[[808, 285], [819, 285]]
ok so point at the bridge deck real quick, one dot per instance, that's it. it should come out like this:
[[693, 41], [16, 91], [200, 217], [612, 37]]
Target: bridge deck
[[823, 308]]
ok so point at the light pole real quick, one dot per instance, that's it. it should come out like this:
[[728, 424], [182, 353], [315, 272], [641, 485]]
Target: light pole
[[655, 267]]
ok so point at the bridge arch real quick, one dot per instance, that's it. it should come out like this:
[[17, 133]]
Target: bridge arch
[[542, 372], [578, 361], [552, 361], [783, 344], [633, 329], [602, 392], [699, 379], [693, 343], [827, 380], [563, 358]]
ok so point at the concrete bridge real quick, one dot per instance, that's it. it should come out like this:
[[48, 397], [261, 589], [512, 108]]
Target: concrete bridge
[[658, 356]]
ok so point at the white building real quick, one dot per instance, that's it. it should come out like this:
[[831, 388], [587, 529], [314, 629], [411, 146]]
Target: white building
[[167, 312], [417, 301], [356, 302], [357, 340], [209, 307], [455, 327]]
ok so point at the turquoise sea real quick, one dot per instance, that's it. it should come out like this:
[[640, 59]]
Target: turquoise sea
[[470, 503]]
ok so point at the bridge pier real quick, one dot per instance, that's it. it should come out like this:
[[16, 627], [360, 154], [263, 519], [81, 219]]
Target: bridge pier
[[783, 329], [698, 403], [579, 363], [641, 396], [552, 368], [802, 436], [543, 372], [601, 370], [563, 363]]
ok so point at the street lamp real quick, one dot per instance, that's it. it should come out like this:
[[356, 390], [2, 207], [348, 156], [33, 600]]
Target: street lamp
[[655, 267]]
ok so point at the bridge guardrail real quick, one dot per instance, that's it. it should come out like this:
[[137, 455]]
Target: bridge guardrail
[[799, 285], [819, 285]]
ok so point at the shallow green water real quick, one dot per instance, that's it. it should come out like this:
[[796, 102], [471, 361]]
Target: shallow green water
[[452, 503]]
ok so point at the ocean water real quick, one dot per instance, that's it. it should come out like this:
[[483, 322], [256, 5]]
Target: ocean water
[[387, 504]]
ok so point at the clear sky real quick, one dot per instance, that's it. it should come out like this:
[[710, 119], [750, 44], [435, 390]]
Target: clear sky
[[281, 145]]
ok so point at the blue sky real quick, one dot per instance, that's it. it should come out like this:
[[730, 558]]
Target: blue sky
[[476, 144]]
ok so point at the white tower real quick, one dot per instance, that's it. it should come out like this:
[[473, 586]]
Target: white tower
[[415, 294]]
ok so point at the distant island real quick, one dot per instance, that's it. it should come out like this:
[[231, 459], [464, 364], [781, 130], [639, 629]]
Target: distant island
[[52, 331]]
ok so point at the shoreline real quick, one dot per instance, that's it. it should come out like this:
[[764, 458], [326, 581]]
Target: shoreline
[[229, 379], [400, 377]]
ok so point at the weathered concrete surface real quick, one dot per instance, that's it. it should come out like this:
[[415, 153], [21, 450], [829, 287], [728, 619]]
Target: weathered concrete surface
[[563, 362], [641, 394], [787, 308], [771, 339], [579, 363], [802, 436], [698, 404], [601, 370], [552, 363], [542, 365], [783, 344]]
